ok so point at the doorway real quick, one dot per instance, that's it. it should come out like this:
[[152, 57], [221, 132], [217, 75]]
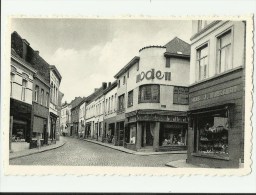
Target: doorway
[[147, 135]]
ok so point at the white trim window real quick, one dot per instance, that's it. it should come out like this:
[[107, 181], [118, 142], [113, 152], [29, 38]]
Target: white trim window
[[12, 80], [23, 91], [42, 97], [36, 93], [202, 62], [224, 52]]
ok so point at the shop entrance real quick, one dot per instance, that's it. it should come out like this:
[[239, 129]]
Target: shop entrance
[[147, 135]]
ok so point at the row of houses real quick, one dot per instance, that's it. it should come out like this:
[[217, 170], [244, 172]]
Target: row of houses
[[174, 97], [35, 99]]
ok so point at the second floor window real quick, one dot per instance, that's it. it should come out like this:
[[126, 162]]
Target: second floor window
[[47, 99], [224, 52], [149, 94], [121, 102], [23, 91], [130, 99], [12, 80], [180, 95], [42, 97], [36, 93], [123, 80], [202, 61]]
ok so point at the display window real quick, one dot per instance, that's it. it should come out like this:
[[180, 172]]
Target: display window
[[19, 131], [172, 134], [132, 131], [212, 131]]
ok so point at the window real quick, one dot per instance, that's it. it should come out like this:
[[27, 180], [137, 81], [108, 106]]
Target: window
[[121, 103], [123, 80], [36, 93], [119, 83], [149, 94], [168, 60], [202, 62], [130, 98], [127, 74], [23, 91], [211, 133], [47, 99], [172, 134], [109, 104], [138, 66], [112, 103], [12, 80], [42, 97], [224, 52], [180, 95], [106, 106], [115, 103]]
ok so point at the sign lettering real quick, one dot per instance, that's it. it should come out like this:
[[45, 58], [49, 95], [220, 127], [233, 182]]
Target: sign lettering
[[152, 74]]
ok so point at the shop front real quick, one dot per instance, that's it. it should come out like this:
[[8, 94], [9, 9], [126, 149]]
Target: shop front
[[52, 135], [156, 130], [20, 123], [215, 136], [109, 129]]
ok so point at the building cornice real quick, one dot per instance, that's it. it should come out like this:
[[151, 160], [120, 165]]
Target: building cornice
[[167, 54], [127, 66], [23, 64], [204, 29]]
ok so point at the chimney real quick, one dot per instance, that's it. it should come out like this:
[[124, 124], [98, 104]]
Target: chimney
[[37, 52], [95, 89], [104, 85], [25, 45], [109, 84]]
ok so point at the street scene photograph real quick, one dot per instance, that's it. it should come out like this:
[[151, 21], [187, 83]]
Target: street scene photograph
[[127, 92]]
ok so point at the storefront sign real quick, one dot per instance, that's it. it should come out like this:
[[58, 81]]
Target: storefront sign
[[152, 74], [163, 118], [215, 94]]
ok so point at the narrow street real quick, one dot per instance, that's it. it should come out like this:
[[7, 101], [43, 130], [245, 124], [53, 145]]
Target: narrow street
[[81, 153]]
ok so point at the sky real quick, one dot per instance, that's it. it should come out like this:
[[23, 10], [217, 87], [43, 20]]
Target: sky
[[88, 52]]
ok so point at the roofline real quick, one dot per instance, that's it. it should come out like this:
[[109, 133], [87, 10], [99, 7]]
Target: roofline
[[23, 63], [42, 80], [205, 29], [152, 46], [52, 67], [168, 54], [112, 86], [127, 66]]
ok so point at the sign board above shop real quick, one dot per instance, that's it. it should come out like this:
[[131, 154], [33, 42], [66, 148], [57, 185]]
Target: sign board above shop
[[215, 94], [152, 74]]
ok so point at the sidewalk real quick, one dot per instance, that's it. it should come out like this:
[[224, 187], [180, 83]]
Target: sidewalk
[[180, 164], [35, 150], [122, 149]]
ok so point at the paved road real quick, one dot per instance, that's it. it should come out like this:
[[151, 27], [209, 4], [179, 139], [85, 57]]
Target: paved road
[[82, 153]]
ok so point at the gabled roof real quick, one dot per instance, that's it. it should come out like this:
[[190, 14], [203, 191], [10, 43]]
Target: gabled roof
[[178, 46], [127, 66], [75, 102], [55, 70]]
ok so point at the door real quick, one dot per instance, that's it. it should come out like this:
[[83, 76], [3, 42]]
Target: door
[[147, 135]]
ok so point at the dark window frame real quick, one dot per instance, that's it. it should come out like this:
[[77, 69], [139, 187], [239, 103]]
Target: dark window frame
[[178, 91], [130, 99], [148, 91]]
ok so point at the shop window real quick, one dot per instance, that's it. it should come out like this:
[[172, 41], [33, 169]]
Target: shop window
[[130, 98], [36, 93], [211, 133], [12, 81], [149, 94], [121, 103], [172, 134], [23, 91], [224, 52], [131, 134], [180, 95], [202, 62]]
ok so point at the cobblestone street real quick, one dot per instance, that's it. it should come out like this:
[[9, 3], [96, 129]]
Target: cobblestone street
[[82, 153]]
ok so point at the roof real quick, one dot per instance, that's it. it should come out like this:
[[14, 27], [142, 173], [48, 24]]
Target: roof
[[75, 102], [112, 86], [178, 46], [127, 66], [53, 68]]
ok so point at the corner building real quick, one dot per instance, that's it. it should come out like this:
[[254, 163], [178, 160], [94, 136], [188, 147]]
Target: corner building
[[154, 98], [216, 94]]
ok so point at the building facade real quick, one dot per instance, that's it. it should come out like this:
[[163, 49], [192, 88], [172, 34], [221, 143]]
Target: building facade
[[82, 114], [216, 94], [110, 108], [55, 80], [40, 111], [21, 88], [152, 92]]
